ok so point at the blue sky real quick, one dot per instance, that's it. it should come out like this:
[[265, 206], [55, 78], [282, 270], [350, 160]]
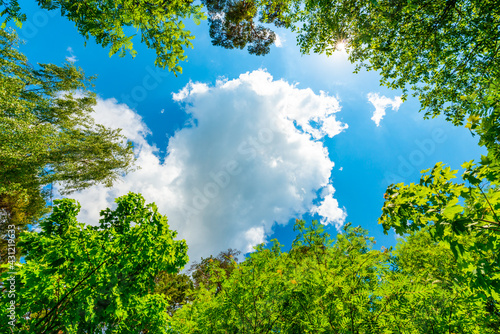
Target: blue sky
[[184, 140]]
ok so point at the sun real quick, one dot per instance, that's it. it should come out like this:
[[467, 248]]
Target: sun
[[341, 46]]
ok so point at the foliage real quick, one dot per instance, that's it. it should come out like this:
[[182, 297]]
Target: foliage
[[488, 129], [159, 22], [465, 215], [445, 50], [12, 11], [426, 283], [443, 277], [175, 287], [341, 285], [47, 135], [201, 272], [83, 279], [232, 23]]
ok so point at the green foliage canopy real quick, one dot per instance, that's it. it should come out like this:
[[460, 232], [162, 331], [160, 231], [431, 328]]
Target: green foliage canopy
[[83, 279], [48, 135], [175, 288], [340, 285], [232, 23], [159, 23], [465, 215], [445, 50]]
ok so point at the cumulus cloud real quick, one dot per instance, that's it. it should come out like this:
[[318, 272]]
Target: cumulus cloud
[[190, 89], [252, 158], [329, 209], [254, 236], [381, 103], [72, 58], [278, 42]]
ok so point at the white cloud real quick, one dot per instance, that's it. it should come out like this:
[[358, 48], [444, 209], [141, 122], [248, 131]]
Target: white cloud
[[119, 116], [278, 42], [254, 236], [71, 58], [329, 209], [252, 158], [381, 103], [190, 89]]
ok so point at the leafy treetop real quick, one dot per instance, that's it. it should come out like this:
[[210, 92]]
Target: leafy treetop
[[159, 23], [337, 285], [85, 279], [48, 135], [464, 215]]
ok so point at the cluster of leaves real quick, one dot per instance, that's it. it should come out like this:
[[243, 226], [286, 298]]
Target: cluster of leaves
[[340, 285], [158, 21], [445, 50], [175, 288], [86, 279], [465, 215], [201, 272], [232, 23], [11, 11], [47, 135]]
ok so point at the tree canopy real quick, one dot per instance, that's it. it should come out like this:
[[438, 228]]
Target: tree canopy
[[337, 285], [48, 135], [84, 279], [444, 52], [465, 215], [232, 23], [124, 275], [159, 23]]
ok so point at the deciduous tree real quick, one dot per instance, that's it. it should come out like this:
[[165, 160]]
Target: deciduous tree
[[337, 285], [465, 215], [48, 135], [78, 278], [233, 23], [159, 23]]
